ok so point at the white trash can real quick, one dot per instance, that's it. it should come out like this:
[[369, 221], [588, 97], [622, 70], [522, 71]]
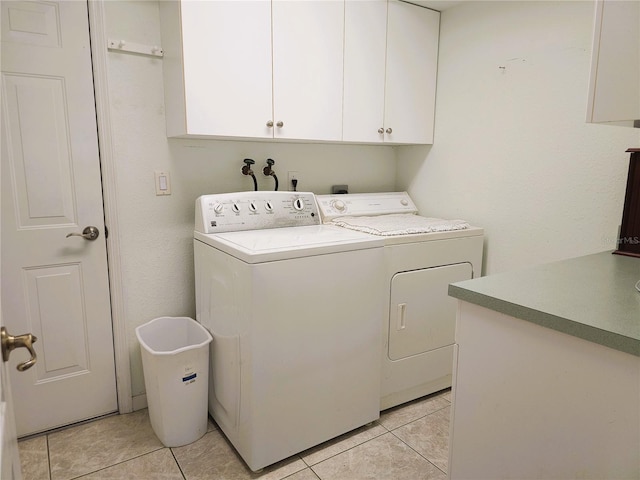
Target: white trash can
[[175, 361]]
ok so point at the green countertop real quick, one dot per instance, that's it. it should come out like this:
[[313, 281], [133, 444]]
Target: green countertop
[[591, 297]]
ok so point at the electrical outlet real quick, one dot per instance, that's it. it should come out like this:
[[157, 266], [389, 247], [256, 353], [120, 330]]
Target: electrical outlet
[[291, 176]]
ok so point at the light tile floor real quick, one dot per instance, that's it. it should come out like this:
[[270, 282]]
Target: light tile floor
[[407, 442]]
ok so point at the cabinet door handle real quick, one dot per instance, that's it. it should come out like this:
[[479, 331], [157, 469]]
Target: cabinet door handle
[[401, 309], [381, 130], [389, 130], [270, 123], [280, 124]]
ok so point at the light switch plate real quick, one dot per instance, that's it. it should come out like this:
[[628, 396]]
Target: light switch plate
[[163, 183]]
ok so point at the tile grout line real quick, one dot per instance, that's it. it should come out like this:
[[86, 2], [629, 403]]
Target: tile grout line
[[342, 451], [424, 416], [118, 463], [46, 438], [445, 473], [307, 466], [377, 436], [316, 473], [178, 463]]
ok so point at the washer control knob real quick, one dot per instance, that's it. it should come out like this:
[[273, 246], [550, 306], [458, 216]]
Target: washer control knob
[[218, 207], [339, 205], [268, 206], [404, 202], [298, 204], [252, 207], [236, 208]]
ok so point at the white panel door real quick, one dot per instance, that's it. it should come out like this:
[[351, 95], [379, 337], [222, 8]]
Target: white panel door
[[307, 69], [53, 286], [412, 58], [422, 315], [365, 43]]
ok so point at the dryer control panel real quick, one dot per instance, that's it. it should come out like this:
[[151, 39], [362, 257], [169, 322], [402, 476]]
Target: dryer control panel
[[230, 212], [360, 204]]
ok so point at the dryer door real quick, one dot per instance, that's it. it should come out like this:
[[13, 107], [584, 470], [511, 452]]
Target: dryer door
[[422, 316]]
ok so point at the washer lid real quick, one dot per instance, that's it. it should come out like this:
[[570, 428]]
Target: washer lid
[[257, 246]]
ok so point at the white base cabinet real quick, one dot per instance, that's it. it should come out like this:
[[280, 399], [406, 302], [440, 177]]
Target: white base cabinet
[[530, 402]]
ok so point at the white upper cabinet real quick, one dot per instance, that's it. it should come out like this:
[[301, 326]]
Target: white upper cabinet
[[365, 46], [412, 59], [217, 68], [313, 70], [390, 67], [614, 90], [253, 69], [308, 38]]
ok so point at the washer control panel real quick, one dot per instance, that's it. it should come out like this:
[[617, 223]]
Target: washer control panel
[[230, 212], [360, 204]]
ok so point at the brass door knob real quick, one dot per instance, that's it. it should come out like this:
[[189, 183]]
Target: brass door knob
[[10, 343]]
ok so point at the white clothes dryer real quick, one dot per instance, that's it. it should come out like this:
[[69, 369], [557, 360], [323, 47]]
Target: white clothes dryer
[[422, 257], [295, 312]]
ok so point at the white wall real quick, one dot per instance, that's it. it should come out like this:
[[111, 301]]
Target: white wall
[[512, 152], [156, 232]]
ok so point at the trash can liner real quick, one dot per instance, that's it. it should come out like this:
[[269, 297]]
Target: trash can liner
[[158, 341]]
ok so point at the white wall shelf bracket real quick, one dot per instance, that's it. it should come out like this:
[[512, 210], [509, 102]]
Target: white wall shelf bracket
[[130, 47]]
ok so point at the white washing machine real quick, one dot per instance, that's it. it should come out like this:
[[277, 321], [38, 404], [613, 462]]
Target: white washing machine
[[419, 319], [295, 312]]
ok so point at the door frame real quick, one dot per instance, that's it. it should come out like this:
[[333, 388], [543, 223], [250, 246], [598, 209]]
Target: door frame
[[99, 44]]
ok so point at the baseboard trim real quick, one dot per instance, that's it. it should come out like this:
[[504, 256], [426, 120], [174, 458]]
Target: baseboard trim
[[139, 402]]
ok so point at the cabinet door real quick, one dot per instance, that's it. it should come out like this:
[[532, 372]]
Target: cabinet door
[[614, 90], [412, 58], [364, 65], [307, 69], [227, 67]]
